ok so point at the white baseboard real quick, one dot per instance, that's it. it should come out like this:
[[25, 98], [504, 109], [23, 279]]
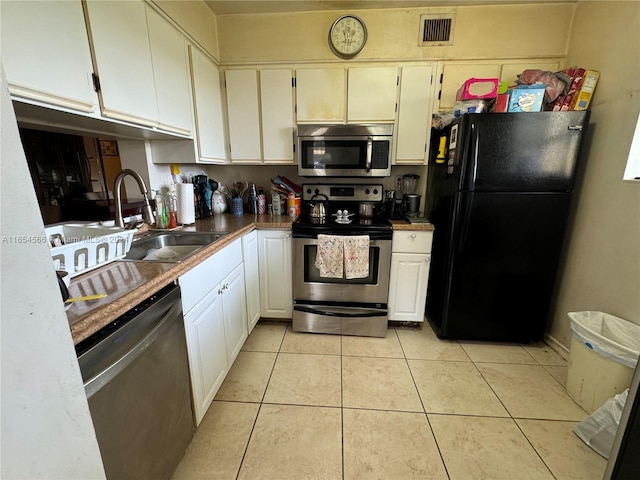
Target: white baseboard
[[556, 346]]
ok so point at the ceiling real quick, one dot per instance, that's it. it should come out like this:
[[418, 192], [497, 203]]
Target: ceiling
[[229, 7]]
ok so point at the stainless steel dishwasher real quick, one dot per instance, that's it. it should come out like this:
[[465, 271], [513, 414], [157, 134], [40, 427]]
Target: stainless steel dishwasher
[[136, 378]]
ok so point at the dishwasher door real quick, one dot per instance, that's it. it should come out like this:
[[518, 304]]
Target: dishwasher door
[[137, 384]]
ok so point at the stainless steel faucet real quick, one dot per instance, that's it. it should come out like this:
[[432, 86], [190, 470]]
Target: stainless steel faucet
[[147, 214]]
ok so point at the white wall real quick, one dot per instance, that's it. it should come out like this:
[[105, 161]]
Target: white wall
[[46, 427], [602, 268]]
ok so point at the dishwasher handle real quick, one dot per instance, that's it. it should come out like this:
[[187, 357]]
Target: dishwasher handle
[[95, 383]]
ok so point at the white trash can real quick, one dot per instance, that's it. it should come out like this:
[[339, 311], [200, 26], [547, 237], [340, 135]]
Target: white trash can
[[603, 355]]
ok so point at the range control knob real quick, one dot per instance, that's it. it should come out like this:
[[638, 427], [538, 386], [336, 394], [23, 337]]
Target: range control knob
[[367, 191], [375, 191]]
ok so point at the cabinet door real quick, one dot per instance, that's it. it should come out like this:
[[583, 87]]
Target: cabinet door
[[276, 102], [208, 108], [321, 95], [414, 114], [251, 278], [45, 53], [235, 312], [372, 94], [276, 292], [455, 74], [408, 286], [207, 351], [171, 74], [243, 113], [123, 59]]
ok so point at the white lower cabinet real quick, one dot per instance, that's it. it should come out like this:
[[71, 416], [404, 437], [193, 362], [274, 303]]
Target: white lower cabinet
[[276, 291], [234, 310], [410, 262], [215, 316], [208, 365], [251, 278]]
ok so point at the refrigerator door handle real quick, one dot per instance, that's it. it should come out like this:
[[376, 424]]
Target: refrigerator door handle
[[465, 216]]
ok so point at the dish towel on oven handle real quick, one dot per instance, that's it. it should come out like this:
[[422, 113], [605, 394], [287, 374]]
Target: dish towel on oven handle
[[330, 256], [356, 256]]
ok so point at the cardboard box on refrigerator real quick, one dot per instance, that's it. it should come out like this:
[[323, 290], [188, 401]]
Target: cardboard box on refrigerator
[[583, 85], [526, 98]]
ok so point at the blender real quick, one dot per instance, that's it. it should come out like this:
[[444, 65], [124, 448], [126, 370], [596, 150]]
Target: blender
[[410, 201]]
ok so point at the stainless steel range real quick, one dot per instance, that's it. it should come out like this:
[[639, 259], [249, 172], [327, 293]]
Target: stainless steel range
[[326, 300]]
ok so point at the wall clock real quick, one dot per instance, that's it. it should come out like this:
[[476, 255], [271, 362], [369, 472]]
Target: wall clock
[[347, 36]]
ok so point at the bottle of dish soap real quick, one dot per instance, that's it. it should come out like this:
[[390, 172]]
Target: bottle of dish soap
[[160, 217]]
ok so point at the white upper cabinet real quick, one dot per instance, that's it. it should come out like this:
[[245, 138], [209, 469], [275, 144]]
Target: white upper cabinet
[[208, 108], [244, 115], [454, 74], [123, 61], [260, 114], [372, 94], [414, 114], [171, 74], [276, 102], [34, 35], [321, 95]]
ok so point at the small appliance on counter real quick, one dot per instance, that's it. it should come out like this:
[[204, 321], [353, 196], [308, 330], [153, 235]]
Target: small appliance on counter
[[393, 205], [410, 200]]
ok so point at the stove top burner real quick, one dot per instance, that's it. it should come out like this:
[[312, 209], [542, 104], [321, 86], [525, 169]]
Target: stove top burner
[[342, 211]]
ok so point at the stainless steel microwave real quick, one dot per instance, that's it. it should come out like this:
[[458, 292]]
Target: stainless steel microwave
[[344, 150]]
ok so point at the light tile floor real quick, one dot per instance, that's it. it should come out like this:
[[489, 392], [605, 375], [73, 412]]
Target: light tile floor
[[409, 406]]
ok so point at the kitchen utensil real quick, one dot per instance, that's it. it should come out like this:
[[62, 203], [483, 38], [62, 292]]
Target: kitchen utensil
[[318, 208], [85, 298], [365, 209]]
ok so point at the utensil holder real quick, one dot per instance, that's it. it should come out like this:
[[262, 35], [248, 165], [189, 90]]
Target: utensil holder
[[236, 206]]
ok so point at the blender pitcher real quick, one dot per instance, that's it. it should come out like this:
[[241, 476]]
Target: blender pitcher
[[410, 183]]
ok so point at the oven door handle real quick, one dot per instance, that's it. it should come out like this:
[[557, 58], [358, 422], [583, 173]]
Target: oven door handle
[[340, 312]]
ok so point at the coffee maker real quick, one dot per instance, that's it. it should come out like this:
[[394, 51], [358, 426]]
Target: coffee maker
[[393, 207]]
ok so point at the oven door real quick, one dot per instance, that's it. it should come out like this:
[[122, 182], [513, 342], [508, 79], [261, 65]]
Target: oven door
[[344, 156], [308, 285]]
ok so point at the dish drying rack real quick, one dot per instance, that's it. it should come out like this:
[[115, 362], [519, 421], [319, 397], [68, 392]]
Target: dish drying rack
[[79, 247]]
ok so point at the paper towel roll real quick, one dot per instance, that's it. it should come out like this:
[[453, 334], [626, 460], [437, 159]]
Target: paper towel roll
[[186, 205]]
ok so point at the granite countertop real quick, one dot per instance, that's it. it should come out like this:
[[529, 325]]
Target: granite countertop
[[404, 225], [128, 283]]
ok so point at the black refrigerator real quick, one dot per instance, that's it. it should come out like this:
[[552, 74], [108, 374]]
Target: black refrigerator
[[499, 192]]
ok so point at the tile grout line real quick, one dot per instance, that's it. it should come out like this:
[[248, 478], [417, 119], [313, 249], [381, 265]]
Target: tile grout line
[[246, 447], [426, 416], [341, 408], [511, 417]]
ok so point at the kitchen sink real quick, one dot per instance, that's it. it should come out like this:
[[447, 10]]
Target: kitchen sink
[[170, 246]]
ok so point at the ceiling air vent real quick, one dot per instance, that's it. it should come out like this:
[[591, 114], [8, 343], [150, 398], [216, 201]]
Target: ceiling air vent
[[437, 29]]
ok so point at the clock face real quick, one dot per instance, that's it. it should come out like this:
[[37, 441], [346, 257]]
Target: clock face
[[347, 36]]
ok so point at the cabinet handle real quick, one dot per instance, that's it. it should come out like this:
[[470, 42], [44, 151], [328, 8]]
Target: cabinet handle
[[220, 291], [413, 235], [226, 286]]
